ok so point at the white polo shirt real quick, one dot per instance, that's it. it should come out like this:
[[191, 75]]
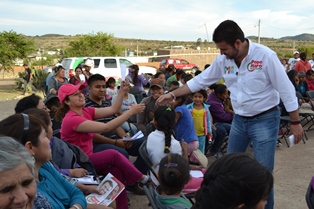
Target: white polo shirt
[[255, 86]]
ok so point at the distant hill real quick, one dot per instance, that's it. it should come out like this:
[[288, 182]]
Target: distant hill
[[301, 37]]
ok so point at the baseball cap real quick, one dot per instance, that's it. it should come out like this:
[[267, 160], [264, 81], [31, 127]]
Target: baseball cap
[[157, 82], [68, 89], [25, 64], [296, 52]]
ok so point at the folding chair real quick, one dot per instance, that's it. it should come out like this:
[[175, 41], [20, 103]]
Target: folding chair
[[144, 154], [309, 197], [151, 197], [285, 125]]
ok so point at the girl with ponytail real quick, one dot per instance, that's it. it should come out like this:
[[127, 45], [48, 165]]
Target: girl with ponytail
[[161, 142]]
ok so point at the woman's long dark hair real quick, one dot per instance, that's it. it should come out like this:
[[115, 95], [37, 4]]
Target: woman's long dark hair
[[135, 74], [165, 120]]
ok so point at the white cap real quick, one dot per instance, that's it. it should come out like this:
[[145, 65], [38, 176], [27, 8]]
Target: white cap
[[58, 64], [89, 62], [296, 52]]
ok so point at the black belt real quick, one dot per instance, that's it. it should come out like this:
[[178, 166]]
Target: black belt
[[262, 113]]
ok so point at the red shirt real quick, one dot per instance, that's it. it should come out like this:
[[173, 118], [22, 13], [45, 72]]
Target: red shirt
[[303, 66], [310, 84], [68, 129]]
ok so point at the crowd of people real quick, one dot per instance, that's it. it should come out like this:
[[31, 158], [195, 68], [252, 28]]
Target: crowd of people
[[81, 126]]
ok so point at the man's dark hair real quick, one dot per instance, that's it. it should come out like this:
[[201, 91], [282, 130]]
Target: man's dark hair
[[228, 31], [95, 77], [187, 77], [309, 72], [175, 83]]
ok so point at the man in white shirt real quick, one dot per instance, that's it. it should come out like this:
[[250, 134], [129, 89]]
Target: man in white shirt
[[292, 61], [311, 61], [257, 81]]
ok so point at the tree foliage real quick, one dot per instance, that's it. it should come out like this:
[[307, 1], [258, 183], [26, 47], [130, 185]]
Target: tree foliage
[[99, 44], [12, 46]]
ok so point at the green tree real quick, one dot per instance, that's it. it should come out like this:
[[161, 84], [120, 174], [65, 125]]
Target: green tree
[[12, 46], [99, 44]]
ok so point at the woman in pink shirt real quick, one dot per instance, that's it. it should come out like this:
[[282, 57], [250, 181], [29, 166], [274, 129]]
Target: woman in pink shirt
[[78, 127]]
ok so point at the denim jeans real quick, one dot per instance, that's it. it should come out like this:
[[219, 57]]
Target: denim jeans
[[218, 138], [129, 128], [263, 132], [28, 83]]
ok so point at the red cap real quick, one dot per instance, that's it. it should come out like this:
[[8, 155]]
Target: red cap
[[68, 89]]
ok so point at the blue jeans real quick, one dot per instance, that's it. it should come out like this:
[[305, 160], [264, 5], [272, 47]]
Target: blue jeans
[[28, 83], [129, 128], [263, 132]]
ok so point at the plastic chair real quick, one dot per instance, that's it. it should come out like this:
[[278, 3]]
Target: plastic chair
[[309, 197]]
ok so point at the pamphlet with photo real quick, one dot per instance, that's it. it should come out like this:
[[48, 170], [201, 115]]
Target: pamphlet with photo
[[111, 188]]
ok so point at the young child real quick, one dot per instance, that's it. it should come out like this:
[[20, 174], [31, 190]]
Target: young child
[[184, 125], [173, 85], [302, 88], [202, 118], [111, 87], [161, 142], [310, 79], [173, 174]]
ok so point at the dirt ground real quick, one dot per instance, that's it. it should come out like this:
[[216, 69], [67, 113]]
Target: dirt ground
[[293, 166]]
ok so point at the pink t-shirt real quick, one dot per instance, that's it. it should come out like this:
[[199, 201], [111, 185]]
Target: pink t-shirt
[[68, 129]]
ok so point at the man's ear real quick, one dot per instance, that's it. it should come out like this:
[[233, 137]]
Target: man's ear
[[237, 43], [29, 146]]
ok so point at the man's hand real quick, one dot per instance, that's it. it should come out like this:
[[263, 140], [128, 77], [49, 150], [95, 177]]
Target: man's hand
[[298, 132], [164, 99], [78, 172]]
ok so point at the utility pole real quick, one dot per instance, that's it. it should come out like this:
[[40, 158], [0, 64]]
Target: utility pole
[[259, 31]]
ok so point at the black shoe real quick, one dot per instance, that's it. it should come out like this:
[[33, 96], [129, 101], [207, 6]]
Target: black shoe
[[135, 188]]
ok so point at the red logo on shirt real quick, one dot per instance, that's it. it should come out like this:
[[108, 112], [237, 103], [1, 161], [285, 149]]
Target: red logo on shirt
[[255, 65]]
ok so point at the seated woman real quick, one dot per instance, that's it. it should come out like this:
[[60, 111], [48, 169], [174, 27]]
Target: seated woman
[[56, 81], [161, 142], [18, 185], [29, 131], [79, 127], [173, 174], [221, 112], [139, 80], [234, 181]]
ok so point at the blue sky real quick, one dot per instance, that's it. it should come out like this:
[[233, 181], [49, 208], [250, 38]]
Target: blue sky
[[156, 20]]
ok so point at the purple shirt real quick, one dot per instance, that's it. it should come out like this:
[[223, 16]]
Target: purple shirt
[[217, 109], [141, 81]]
